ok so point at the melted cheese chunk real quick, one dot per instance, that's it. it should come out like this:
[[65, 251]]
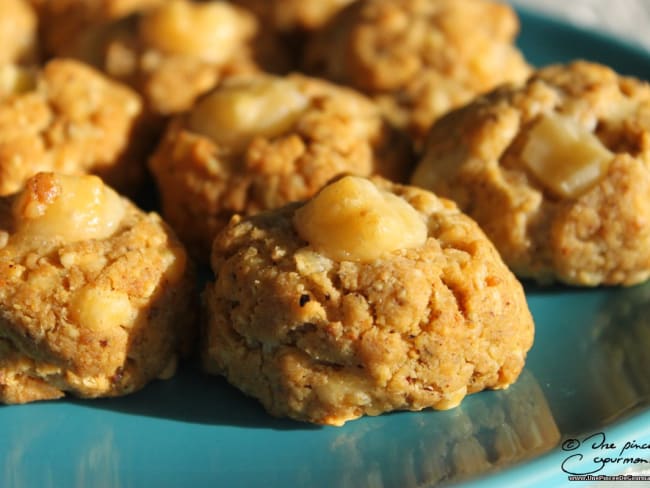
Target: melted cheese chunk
[[564, 156], [73, 208], [351, 219], [233, 115]]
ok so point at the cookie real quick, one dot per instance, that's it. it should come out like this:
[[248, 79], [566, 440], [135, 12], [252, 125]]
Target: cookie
[[162, 46], [18, 32], [95, 295], [257, 143], [556, 172], [370, 297], [68, 118], [419, 58]]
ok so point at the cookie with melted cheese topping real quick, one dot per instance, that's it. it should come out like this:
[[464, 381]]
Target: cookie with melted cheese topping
[[322, 328], [96, 297]]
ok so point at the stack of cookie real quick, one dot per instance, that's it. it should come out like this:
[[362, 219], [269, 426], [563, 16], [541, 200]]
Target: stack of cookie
[[294, 148]]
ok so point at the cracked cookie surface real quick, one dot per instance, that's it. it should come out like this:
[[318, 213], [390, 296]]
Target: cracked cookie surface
[[257, 143], [68, 118], [328, 341], [556, 171], [158, 46], [95, 296], [419, 58]]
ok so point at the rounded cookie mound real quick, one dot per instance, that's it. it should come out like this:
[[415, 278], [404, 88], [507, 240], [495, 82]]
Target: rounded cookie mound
[[556, 171], [397, 325], [68, 118], [256, 143], [419, 58], [95, 295], [158, 46]]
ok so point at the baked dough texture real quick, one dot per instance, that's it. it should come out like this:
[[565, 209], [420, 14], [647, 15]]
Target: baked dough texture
[[203, 183], [90, 317], [419, 58], [68, 118], [328, 341], [481, 156], [170, 51]]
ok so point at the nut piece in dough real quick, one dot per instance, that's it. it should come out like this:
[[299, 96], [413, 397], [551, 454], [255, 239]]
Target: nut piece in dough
[[556, 171], [419, 58], [326, 340], [96, 311], [566, 157], [259, 142]]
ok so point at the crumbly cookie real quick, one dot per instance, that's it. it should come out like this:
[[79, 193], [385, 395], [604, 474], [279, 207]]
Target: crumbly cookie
[[259, 142], [294, 15], [419, 58], [18, 32], [556, 171], [68, 118], [163, 46], [368, 298], [95, 295]]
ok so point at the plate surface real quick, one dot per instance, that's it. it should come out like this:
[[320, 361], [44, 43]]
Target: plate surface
[[588, 373]]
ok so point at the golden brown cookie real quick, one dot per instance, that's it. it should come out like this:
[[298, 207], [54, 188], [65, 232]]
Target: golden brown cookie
[[18, 32], [260, 142], [556, 171], [419, 58], [170, 51], [68, 118], [368, 298], [95, 295]]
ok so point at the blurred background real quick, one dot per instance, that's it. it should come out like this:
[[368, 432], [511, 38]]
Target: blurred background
[[628, 19]]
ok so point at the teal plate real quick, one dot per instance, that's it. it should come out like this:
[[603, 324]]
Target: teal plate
[[582, 404]]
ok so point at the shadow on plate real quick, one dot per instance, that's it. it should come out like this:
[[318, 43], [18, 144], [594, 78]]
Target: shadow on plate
[[591, 353], [489, 432], [195, 397], [533, 288]]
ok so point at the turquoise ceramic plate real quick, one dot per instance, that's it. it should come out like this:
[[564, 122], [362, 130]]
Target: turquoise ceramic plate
[[587, 375]]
